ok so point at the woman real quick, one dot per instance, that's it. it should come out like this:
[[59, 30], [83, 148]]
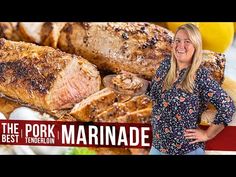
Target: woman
[[181, 90]]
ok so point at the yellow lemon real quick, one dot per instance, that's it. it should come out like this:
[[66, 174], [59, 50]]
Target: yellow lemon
[[216, 36], [235, 27]]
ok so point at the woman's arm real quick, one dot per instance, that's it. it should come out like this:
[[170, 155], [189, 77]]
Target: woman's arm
[[211, 92]]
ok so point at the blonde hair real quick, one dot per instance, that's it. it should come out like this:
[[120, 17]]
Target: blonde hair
[[187, 83]]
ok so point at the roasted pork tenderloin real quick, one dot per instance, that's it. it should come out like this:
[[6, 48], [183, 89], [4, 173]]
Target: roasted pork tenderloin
[[43, 77]]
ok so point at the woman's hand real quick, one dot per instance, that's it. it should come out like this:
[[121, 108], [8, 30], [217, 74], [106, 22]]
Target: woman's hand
[[198, 135]]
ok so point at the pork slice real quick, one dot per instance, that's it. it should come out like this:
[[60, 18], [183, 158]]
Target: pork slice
[[118, 109], [50, 33], [43, 33], [30, 31], [89, 108]]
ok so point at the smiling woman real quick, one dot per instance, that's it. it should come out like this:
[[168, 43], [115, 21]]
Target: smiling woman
[[180, 100], [186, 52], [184, 48]]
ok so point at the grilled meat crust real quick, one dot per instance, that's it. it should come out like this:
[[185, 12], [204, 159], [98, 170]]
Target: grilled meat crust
[[44, 77]]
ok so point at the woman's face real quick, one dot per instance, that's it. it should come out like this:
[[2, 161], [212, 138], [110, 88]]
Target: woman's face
[[183, 48]]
